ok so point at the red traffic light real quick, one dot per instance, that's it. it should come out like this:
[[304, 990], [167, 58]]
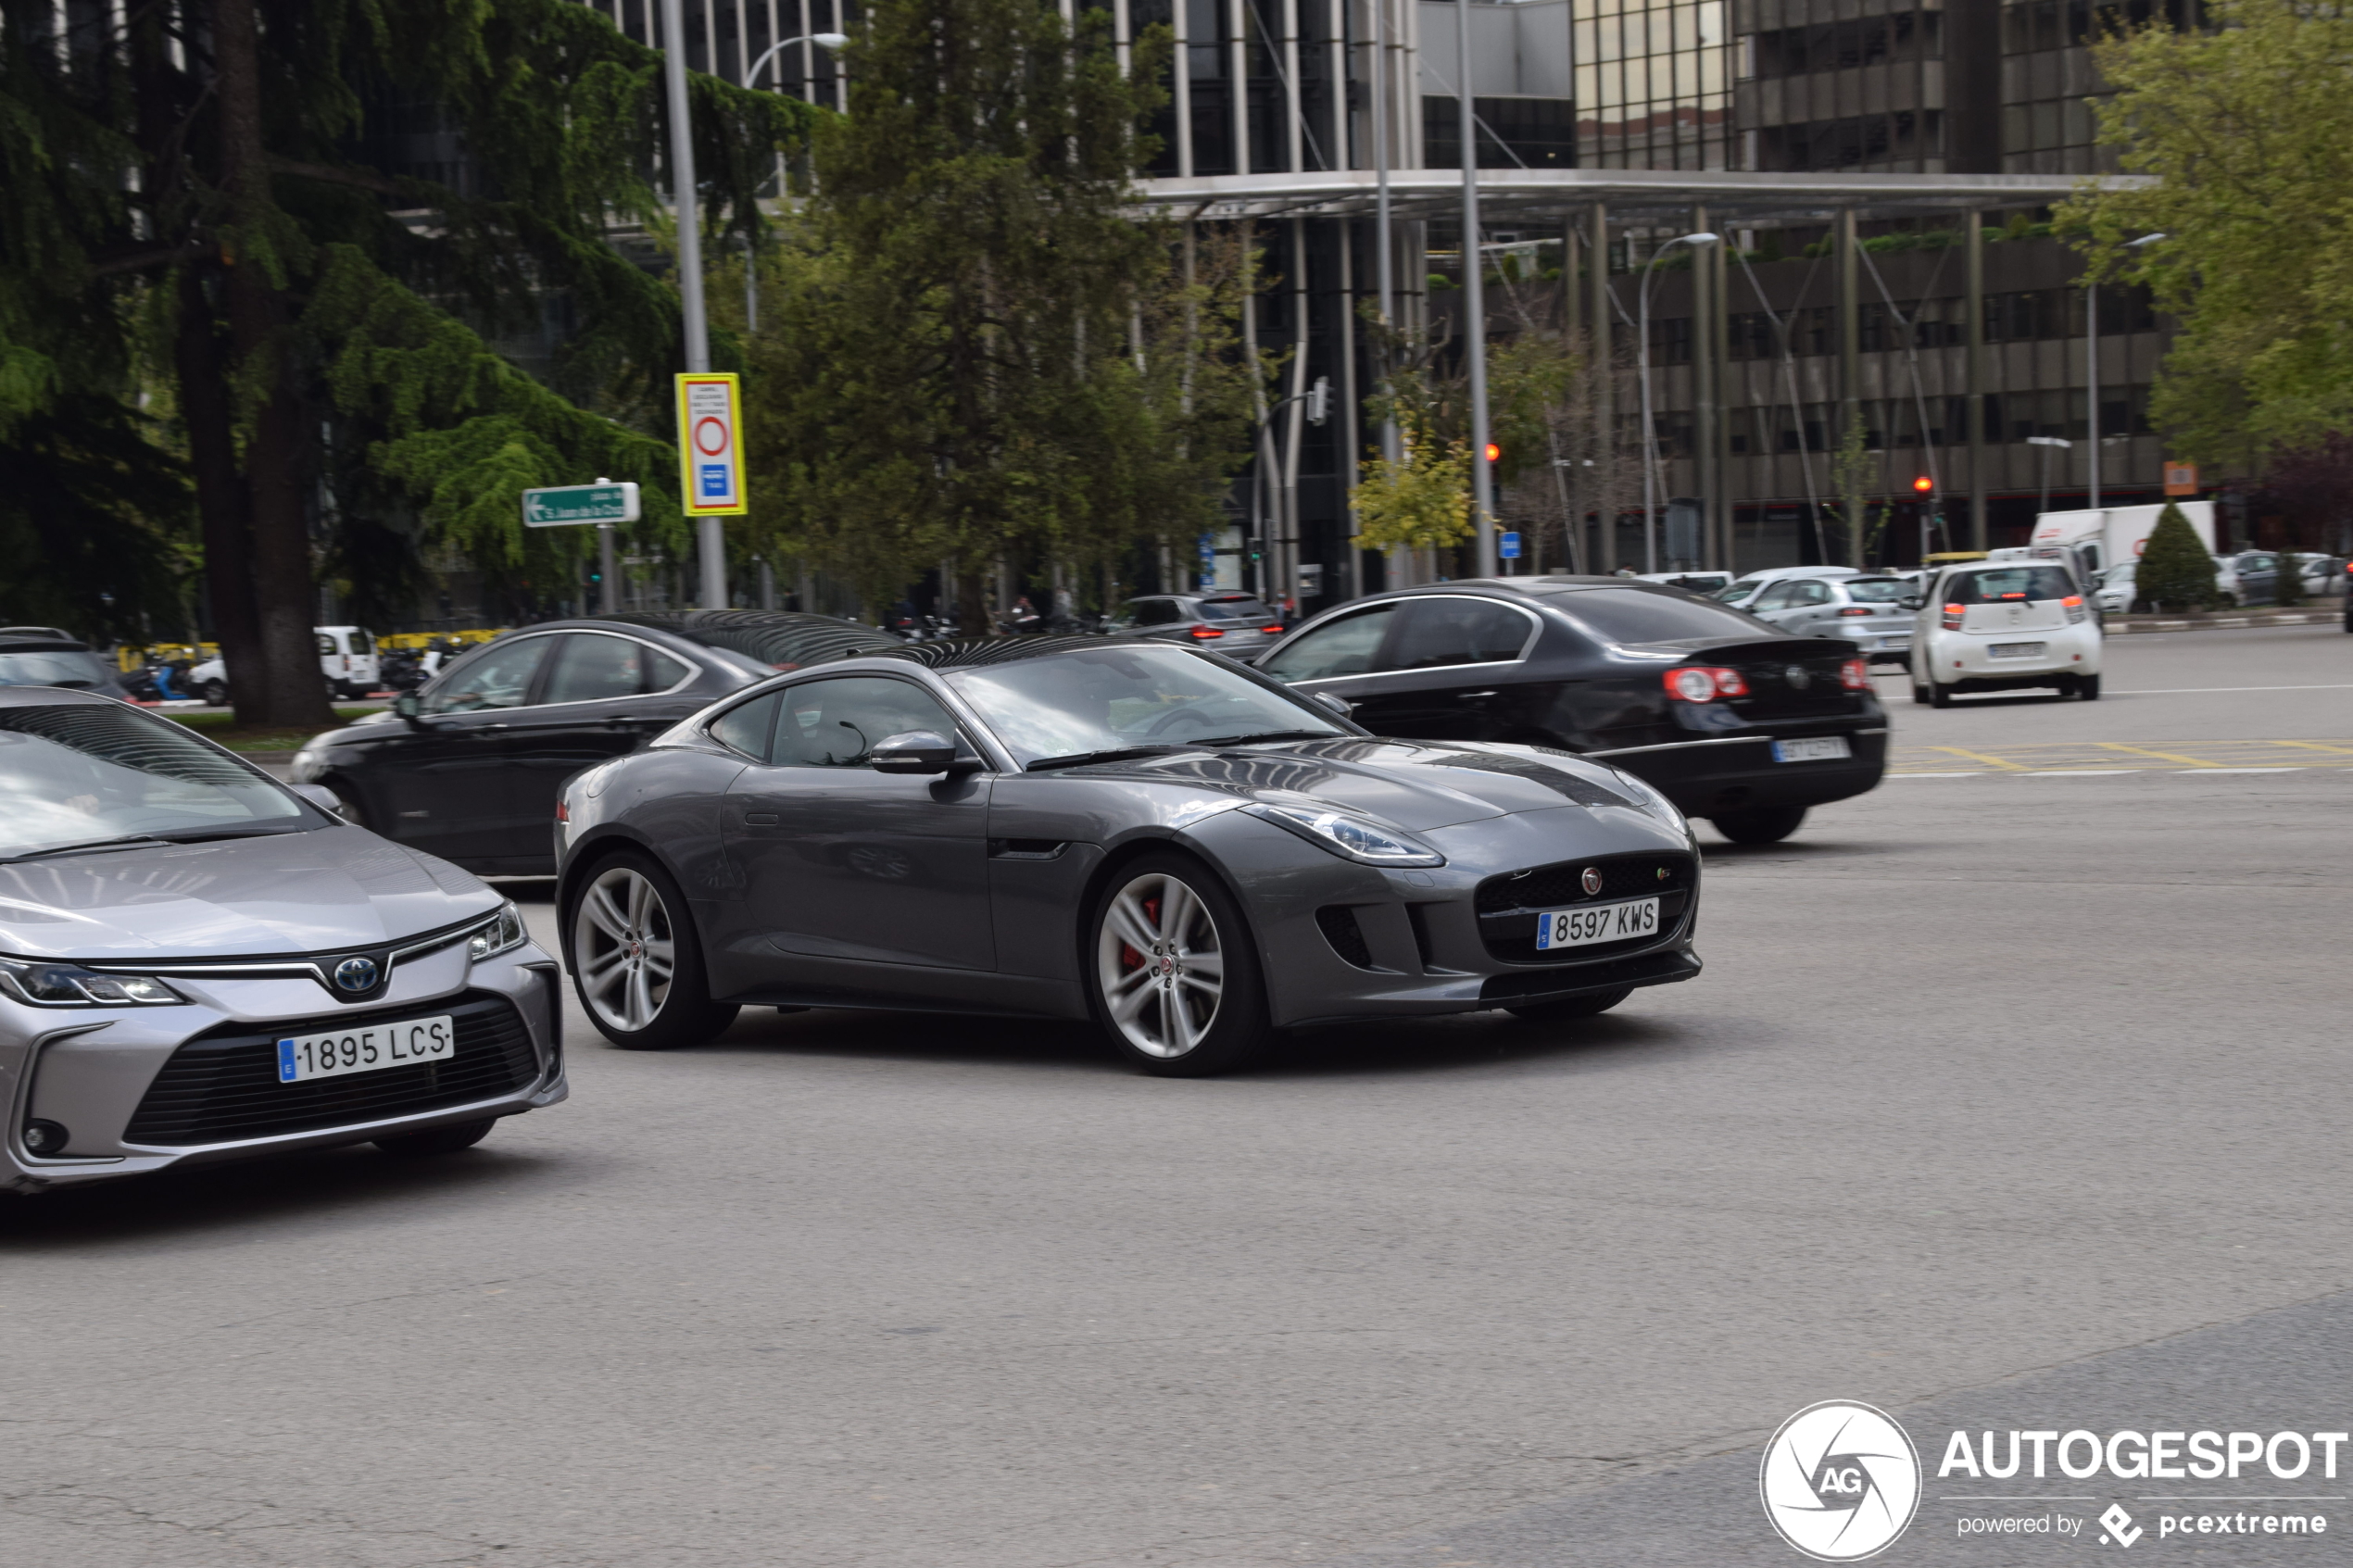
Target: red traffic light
[[1495, 453], [1923, 484]]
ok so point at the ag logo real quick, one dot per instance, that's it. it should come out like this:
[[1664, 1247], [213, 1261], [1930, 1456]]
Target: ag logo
[[1840, 1481]]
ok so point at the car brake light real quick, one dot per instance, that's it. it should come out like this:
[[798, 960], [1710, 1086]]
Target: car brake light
[[1952, 617], [1697, 683], [563, 812], [1855, 675], [1272, 631], [1691, 684], [1855, 609], [1205, 633], [2074, 604]]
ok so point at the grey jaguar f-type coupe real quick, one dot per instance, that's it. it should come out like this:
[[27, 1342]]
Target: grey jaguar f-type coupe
[[1155, 838]]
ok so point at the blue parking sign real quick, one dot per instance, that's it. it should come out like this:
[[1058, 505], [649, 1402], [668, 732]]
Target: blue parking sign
[[1508, 546]]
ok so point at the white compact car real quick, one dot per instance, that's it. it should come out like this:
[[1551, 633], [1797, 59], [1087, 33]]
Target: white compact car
[[1871, 613], [2000, 626]]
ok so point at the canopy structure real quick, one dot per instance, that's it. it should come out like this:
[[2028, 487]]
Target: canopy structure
[[1631, 195]]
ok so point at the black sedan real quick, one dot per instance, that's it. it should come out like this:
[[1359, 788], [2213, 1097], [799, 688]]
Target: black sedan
[[1063, 827], [1731, 719], [467, 767]]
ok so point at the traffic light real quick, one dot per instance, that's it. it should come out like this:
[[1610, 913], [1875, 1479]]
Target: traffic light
[[1319, 401], [1495, 452], [1923, 484]]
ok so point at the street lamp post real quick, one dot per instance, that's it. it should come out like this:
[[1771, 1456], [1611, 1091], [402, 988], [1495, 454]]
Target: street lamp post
[[2046, 443], [1650, 437], [2092, 375], [1474, 299], [713, 537], [829, 42]]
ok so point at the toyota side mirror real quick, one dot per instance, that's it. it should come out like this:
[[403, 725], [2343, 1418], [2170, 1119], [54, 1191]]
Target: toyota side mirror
[[409, 705], [320, 796], [1912, 601], [1339, 704], [914, 752]]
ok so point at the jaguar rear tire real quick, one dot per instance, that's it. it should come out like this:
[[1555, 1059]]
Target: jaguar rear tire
[[634, 959]]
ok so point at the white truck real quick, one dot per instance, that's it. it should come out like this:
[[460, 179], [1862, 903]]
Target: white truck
[[346, 658], [2108, 536]]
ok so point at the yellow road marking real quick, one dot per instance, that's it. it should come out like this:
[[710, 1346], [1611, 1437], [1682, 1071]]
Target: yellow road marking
[[1981, 757], [2164, 756], [2317, 746]]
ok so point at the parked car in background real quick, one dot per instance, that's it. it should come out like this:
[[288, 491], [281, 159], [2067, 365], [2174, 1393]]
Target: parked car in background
[[1166, 843], [468, 766], [1746, 587], [1690, 581], [2249, 577], [346, 658], [2322, 575], [202, 964], [47, 656], [1867, 611], [2114, 591], [2002, 627], [1733, 719], [1238, 625]]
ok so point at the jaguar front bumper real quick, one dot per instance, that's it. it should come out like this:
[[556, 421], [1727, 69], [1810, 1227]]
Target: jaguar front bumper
[[139, 1090]]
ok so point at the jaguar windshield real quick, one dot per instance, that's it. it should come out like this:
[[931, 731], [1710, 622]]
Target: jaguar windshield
[[1127, 699], [81, 772]]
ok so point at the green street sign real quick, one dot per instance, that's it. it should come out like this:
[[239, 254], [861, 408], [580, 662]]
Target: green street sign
[[563, 505]]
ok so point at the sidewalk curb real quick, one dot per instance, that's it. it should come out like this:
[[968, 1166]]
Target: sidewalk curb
[[2119, 626]]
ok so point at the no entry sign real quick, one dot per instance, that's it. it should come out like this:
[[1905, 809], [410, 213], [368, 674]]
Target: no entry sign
[[710, 466]]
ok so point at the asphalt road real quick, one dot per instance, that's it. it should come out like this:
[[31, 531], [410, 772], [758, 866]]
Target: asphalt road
[[2010, 1098]]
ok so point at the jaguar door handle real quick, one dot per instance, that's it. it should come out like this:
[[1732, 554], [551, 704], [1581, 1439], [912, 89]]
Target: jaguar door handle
[[759, 819]]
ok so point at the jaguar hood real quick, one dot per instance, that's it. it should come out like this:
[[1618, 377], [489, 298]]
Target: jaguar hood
[[292, 893], [1412, 785]]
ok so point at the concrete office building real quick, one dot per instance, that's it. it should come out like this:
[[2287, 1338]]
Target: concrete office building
[[1876, 167]]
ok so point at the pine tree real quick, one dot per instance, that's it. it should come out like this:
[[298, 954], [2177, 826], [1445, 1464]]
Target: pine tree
[[275, 266], [969, 347], [2175, 568]]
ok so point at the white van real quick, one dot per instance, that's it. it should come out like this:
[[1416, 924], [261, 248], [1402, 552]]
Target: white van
[[346, 658], [2107, 536]]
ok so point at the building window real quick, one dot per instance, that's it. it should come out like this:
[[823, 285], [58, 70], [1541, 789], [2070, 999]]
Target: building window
[[1653, 84]]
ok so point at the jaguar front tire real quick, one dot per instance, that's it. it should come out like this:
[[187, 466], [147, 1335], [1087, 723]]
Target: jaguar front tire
[[1173, 973]]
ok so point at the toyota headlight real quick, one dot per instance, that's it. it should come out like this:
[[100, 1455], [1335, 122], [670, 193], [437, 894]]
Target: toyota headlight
[[500, 935], [1350, 837], [70, 986]]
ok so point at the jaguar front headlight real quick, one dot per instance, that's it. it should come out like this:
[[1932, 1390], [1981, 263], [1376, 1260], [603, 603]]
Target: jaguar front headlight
[[498, 934], [51, 985], [1349, 836]]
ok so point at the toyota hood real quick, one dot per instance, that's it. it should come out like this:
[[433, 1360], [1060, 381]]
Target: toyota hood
[[1412, 785], [293, 893]]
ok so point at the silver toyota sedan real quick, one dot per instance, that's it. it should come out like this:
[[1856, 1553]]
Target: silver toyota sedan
[[200, 963]]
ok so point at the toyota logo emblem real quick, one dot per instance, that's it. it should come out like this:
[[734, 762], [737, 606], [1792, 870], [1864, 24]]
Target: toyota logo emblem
[[1592, 881], [357, 974]]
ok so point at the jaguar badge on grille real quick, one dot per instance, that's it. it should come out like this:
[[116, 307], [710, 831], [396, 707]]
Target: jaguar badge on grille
[[356, 975], [1591, 880], [1797, 677]]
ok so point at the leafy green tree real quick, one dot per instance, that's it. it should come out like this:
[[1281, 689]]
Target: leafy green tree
[[2174, 569], [2247, 127], [270, 258], [968, 346]]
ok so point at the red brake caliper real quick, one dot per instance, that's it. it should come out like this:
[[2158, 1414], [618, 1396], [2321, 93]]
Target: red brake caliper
[[1129, 959]]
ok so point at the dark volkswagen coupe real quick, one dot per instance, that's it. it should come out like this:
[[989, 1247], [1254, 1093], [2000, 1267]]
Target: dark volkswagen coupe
[[1156, 837], [1733, 719]]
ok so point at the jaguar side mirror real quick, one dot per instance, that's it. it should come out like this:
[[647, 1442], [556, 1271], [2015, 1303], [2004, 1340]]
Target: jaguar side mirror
[[1339, 704], [1911, 601], [914, 752]]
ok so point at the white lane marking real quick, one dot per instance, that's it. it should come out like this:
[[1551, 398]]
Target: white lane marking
[[2238, 769], [2194, 691], [1975, 775], [2079, 772]]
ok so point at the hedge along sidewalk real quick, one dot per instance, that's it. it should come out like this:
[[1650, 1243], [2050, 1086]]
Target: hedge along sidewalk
[[221, 728], [2116, 625]]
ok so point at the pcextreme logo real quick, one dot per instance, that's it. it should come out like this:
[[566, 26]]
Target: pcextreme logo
[[1840, 1481]]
